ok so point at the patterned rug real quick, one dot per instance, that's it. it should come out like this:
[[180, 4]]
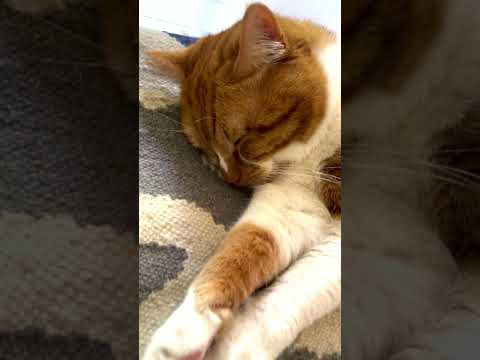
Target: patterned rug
[[68, 193], [185, 211]]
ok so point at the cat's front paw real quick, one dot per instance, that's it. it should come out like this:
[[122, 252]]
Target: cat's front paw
[[240, 351], [186, 335], [241, 339]]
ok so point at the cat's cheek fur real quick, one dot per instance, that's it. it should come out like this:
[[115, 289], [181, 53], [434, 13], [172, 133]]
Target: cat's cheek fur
[[325, 140]]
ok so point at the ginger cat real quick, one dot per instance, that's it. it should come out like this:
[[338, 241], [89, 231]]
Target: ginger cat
[[261, 100]]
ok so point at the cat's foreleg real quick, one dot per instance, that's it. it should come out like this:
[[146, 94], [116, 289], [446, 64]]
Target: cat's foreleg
[[281, 222], [273, 318]]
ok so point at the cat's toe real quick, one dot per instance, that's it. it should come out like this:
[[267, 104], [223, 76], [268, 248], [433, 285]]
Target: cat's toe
[[241, 339], [186, 335], [165, 353], [175, 349]]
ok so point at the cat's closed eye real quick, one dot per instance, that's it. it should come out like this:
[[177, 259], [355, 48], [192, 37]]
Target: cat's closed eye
[[238, 141], [225, 133]]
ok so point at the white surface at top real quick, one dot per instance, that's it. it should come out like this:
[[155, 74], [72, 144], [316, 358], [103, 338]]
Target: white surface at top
[[201, 17]]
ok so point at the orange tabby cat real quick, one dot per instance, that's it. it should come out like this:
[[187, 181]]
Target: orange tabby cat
[[261, 100]]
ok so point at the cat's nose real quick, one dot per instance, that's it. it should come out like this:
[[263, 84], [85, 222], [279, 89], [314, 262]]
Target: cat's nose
[[231, 173], [229, 169], [231, 177]]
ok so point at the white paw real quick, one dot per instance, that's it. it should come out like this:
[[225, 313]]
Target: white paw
[[186, 335], [36, 6], [242, 338]]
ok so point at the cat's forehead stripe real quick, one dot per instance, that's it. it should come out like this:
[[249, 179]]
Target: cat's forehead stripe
[[223, 163]]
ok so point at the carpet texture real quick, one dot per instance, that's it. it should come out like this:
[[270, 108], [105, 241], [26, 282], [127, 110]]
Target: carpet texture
[[185, 211], [68, 193]]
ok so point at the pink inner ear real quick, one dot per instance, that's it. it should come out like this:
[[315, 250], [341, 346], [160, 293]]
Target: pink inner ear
[[266, 25], [260, 22], [272, 34], [259, 25]]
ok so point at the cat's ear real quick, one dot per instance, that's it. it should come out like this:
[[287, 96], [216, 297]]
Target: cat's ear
[[172, 63], [262, 41]]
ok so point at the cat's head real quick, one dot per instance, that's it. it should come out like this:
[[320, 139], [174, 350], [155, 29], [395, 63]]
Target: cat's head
[[256, 98]]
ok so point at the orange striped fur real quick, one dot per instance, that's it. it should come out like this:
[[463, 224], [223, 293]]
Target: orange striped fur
[[246, 103], [261, 100], [247, 259]]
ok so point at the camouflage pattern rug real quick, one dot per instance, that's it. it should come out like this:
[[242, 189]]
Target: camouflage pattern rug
[[185, 210], [68, 193]]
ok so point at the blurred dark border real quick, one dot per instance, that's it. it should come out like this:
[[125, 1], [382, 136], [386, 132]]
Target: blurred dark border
[[69, 182]]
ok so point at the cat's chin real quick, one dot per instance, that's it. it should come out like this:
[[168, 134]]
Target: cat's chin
[[261, 178], [258, 181]]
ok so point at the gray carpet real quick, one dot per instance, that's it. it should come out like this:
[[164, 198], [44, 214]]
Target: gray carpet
[[68, 193]]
